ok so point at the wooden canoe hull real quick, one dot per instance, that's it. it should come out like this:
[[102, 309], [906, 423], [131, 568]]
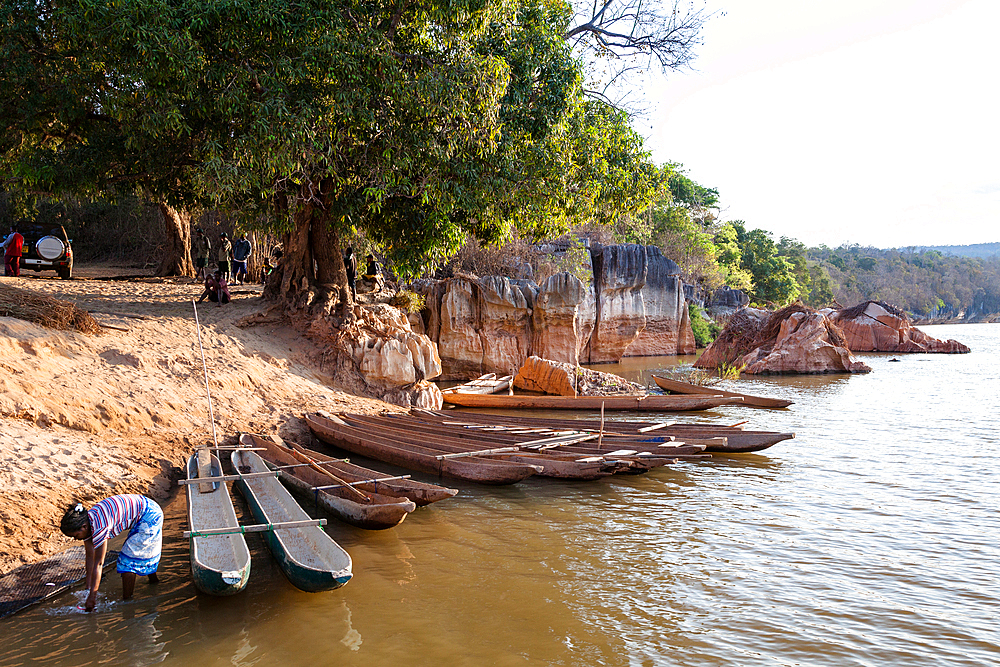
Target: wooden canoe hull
[[441, 441], [737, 439], [485, 384], [308, 557], [335, 432], [220, 564], [653, 403], [421, 493], [686, 388], [381, 513]]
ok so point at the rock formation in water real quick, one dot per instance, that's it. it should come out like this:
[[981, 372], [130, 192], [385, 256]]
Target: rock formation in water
[[634, 306], [795, 339], [563, 318], [668, 326], [619, 276], [873, 326]]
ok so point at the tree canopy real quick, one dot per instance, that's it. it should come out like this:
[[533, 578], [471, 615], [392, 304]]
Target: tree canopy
[[416, 122]]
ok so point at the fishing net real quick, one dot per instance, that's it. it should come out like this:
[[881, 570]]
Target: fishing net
[[45, 310]]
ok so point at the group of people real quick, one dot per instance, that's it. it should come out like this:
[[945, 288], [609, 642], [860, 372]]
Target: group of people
[[12, 249], [232, 265]]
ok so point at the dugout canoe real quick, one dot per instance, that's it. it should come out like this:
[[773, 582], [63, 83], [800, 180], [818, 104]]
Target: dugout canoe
[[366, 509], [448, 443], [421, 493], [647, 403], [220, 564], [484, 384], [473, 436], [738, 440], [336, 432], [686, 388], [309, 557]]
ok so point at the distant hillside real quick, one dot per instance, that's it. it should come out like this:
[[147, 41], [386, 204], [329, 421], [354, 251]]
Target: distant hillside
[[974, 250]]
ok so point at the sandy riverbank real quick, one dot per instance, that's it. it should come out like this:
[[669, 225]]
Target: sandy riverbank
[[89, 416]]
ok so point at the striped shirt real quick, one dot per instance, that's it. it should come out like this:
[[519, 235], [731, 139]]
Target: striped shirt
[[113, 515]]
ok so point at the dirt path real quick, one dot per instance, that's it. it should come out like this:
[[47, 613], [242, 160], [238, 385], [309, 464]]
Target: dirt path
[[83, 417]]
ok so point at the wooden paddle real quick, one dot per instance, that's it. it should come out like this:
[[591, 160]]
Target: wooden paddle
[[315, 466]]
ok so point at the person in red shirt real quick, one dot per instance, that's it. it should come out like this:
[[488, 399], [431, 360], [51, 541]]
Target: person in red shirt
[[12, 253]]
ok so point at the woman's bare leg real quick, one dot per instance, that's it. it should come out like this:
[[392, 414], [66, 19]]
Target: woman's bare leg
[[128, 585]]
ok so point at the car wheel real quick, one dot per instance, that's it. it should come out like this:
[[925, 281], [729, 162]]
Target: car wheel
[[65, 274]]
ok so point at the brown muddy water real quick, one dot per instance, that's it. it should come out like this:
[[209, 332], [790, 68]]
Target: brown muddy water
[[870, 539]]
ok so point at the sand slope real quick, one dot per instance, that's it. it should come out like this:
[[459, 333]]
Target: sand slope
[[89, 416]]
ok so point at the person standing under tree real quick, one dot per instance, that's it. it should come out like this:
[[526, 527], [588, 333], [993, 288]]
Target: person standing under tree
[[12, 246], [351, 266], [203, 252], [242, 250], [225, 254], [140, 555]]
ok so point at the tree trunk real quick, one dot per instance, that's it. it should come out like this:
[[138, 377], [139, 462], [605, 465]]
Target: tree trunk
[[331, 274], [176, 259]]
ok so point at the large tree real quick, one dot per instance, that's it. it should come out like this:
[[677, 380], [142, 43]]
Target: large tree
[[417, 122]]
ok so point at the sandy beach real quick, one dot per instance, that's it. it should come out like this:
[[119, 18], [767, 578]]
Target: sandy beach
[[84, 417]]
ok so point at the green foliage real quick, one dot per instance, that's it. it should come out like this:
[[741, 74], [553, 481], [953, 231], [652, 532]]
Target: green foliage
[[705, 330], [773, 278], [417, 123]]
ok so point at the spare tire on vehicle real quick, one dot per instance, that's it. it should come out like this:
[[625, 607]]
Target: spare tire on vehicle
[[50, 247]]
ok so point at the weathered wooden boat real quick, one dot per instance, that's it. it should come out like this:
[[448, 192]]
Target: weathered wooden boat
[[738, 440], [450, 444], [220, 564], [309, 557], [686, 388], [421, 493], [336, 432], [576, 442], [647, 403], [484, 384], [332, 489]]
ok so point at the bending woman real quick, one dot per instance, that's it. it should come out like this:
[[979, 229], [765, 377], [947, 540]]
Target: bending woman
[[140, 554]]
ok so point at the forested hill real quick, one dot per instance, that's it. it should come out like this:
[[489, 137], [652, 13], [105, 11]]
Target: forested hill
[[974, 250], [927, 283]]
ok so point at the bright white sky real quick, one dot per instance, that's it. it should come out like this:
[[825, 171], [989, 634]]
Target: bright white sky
[[843, 121]]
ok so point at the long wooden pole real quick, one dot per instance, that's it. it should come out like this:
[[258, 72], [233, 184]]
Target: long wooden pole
[[204, 366], [258, 528]]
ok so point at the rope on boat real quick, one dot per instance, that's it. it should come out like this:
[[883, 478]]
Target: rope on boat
[[204, 366]]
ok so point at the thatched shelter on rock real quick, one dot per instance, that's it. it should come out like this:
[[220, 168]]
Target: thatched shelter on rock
[[795, 339], [874, 326]]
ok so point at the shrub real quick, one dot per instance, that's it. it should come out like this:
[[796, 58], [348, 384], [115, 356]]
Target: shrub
[[408, 301], [705, 330]]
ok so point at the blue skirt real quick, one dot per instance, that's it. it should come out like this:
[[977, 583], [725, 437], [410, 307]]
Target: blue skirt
[[141, 552]]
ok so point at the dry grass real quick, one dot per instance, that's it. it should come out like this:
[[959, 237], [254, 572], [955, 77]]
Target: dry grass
[[44, 310], [855, 311]]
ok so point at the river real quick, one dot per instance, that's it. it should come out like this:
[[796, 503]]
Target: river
[[869, 539]]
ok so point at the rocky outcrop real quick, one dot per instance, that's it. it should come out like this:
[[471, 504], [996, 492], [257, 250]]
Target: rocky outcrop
[[379, 355], [563, 318], [636, 307], [505, 313], [795, 339], [546, 376], [619, 276], [873, 326], [667, 327]]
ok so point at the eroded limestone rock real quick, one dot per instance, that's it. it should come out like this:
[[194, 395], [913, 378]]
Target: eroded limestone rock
[[877, 327], [563, 318], [619, 276], [795, 339]]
